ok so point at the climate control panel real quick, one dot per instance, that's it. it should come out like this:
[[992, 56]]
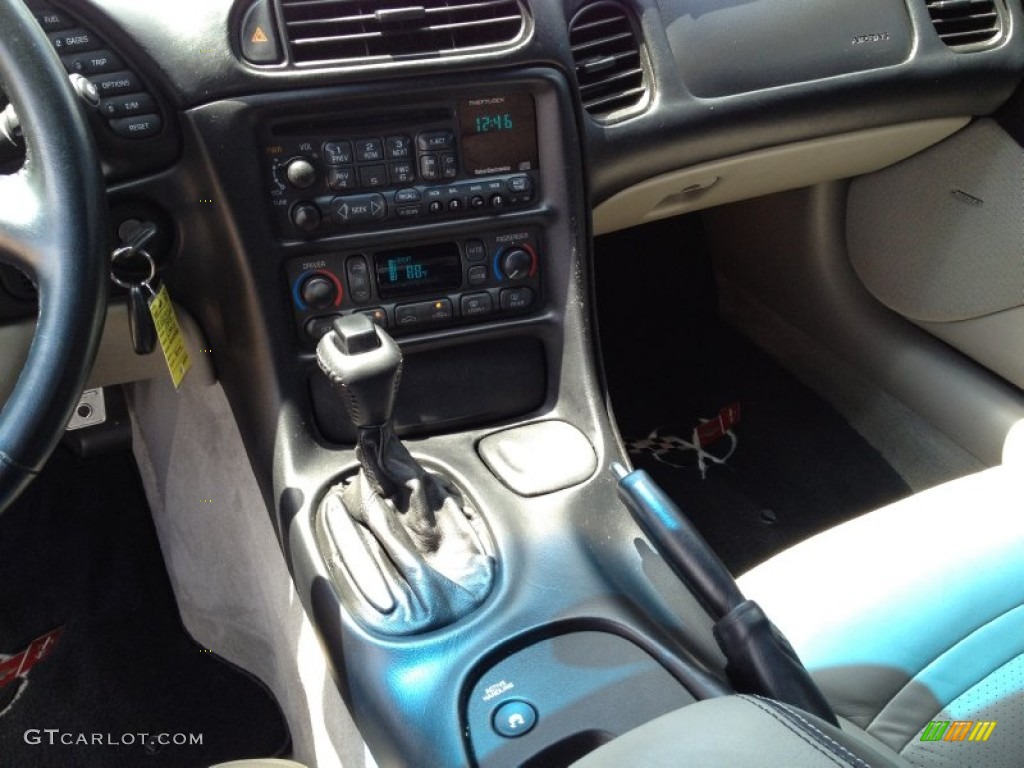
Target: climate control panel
[[420, 286]]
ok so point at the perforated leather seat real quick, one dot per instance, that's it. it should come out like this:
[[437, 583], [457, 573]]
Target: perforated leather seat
[[913, 615]]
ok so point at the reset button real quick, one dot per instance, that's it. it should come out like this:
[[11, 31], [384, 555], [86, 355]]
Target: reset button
[[514, 718]]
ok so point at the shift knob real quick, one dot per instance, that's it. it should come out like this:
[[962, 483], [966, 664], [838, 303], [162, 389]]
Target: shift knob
[[365, 364]]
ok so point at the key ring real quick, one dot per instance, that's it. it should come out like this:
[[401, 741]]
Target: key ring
[[129, 250]]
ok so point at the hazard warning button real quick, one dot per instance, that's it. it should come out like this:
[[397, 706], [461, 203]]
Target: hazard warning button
[[258, 35]]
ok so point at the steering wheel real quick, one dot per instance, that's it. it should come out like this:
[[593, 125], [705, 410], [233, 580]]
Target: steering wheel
[[53, 226]]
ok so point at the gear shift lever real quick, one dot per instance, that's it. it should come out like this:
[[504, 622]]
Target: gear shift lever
[[409, 553]]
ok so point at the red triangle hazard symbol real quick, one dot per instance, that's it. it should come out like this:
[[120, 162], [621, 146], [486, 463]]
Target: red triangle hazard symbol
[[259, 36]]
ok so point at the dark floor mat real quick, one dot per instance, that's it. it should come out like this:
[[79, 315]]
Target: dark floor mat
[[107, 670], [797, 467]]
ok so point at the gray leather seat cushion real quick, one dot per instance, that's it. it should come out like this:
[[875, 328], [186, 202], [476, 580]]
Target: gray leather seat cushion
[[740, 732], [913, 614]]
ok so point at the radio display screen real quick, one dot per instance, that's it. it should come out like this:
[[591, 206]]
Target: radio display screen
[[499, 134], [423, 269]]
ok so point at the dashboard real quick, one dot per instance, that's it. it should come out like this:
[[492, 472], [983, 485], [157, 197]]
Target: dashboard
[[442, 167]]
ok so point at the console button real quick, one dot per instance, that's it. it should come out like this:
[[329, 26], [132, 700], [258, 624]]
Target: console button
[[403, 173], [407, 196], [407, 315], [477, 275], [373, 175], [75, 40], [514, 299], [377, 314], [258, 34], [514, 718], [477, 305], [369, 150], [93, 63], [137, 126], [422, 312], [428, 167], [131, 104], [475, 250], [434, 140], [341, 179], [114, 83], [358, 274], [337, 153], [435, 311], [398, 147], [408, 211], [354, 209]]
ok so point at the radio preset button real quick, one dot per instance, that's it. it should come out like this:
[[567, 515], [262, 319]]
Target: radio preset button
[[398, 147], [369, 150], [515, 299], [403, 173], [477, 304], [373, 175], [341, 179], [337, 152]]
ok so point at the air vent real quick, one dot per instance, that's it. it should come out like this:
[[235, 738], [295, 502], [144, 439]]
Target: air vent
[[328, 31], [966, 24], [609, 66]]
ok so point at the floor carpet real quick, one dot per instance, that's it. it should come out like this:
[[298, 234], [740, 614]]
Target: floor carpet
[[95, 666], [790, 466]]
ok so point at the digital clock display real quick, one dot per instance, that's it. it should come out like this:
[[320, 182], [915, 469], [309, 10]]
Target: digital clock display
[[424, 269], [499, 134]]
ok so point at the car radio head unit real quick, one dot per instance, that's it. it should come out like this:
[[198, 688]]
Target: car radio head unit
[[471, 157]]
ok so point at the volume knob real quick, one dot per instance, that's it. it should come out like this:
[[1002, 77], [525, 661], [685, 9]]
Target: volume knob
[[300, 173]]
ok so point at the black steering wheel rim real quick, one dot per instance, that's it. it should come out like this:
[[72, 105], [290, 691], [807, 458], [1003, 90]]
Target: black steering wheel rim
[[53, 225]]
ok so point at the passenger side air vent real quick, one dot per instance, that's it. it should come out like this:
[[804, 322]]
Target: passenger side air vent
[[609, 65], [966, 24], [327, 31]]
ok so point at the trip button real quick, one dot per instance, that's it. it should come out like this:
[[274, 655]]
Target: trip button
[[317, 327], [93, 63], [514, 718], [516, 299], [477, 305], [51, 20]]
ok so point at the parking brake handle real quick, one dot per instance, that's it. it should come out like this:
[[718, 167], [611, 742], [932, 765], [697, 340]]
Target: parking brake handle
[[759, 659]]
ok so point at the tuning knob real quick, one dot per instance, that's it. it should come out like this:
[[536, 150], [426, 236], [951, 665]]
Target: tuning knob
[[306, 216], [300, 173], [516, 263]]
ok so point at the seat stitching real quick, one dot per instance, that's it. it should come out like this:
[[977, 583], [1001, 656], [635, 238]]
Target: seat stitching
[[915, 675], [773, 712]]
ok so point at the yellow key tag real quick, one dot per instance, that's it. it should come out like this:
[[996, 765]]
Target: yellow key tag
[[168, 333]]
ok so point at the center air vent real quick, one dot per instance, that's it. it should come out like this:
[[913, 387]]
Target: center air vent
[[609, 66], [966, 24], [327, 31]]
